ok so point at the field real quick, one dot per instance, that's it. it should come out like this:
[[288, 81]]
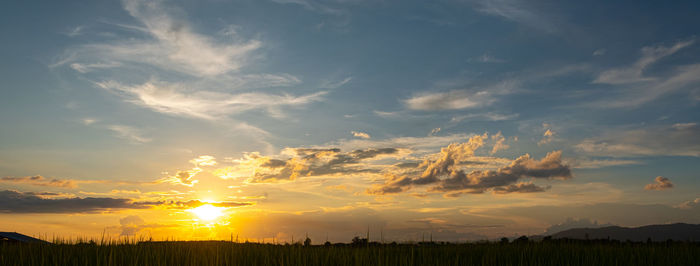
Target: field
[[231, 253]]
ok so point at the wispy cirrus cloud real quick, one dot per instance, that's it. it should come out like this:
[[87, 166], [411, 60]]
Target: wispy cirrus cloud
[[174, 99], [189, 74], [517, 11], [634, 86], [129, 133], [41, 181], [461, 98], [682, 139]]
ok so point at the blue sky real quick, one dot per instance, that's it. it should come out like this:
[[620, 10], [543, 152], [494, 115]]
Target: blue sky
[[553, 104]]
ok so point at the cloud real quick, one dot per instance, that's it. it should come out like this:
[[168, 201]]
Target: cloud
[[313, 6], [488, 58], [361, 135], [434, 131], [444, 171], [517, 11], [528, 187], [204, 160], [634, 72], [599, 52], [189, 204], [660, 183], [41, 181], [635, 87], [171, 99], [166, 66], [484, 117], [451, 100], [479, 181], [585, 163], [662, 140], [76, 31], [12, 201], [499, 143], [185, 178], [129, 133], [690, 204], [130, 225], [175, 46], [455, 181], [547, 136], [89, 121], [315, 162], [26, 202], [335, 85]]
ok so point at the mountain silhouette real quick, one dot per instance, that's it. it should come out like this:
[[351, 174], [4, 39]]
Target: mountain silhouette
[[659, 232]]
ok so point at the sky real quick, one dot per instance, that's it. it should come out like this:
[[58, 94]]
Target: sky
[[273, 120]]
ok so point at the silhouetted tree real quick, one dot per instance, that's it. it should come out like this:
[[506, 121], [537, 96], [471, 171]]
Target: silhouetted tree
[[522, 239], [307, 241], [504, 240], [357, 241]]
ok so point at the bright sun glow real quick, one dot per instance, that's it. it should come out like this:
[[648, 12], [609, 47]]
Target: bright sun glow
[[207, 212]]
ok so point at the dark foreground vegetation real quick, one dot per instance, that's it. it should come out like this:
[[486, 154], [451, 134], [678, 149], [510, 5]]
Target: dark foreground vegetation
[[548, 252]]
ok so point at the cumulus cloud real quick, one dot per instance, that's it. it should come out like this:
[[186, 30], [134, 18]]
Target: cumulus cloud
[[660, 183], [315, 162], [185, 178], [499, 143], [41, 181], [359, 134], [204, 160], [548, 135], [478, 181], [446, 174]]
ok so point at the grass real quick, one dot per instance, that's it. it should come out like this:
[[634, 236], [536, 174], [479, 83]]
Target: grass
[[231, 253]]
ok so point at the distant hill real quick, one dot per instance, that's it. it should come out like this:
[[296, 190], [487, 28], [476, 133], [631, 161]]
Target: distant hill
[[659, 232]]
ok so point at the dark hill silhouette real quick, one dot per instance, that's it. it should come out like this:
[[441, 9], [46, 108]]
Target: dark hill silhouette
[[659, 232]]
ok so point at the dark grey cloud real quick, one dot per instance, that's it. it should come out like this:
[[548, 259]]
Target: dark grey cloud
[[26, 202], [41, 181], [188, 204], [520, 188], [12, 201]]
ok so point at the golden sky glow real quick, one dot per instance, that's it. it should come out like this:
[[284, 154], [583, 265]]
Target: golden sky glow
[[467, 120]]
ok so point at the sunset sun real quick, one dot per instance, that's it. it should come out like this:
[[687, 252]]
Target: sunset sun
[[207, 212]]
